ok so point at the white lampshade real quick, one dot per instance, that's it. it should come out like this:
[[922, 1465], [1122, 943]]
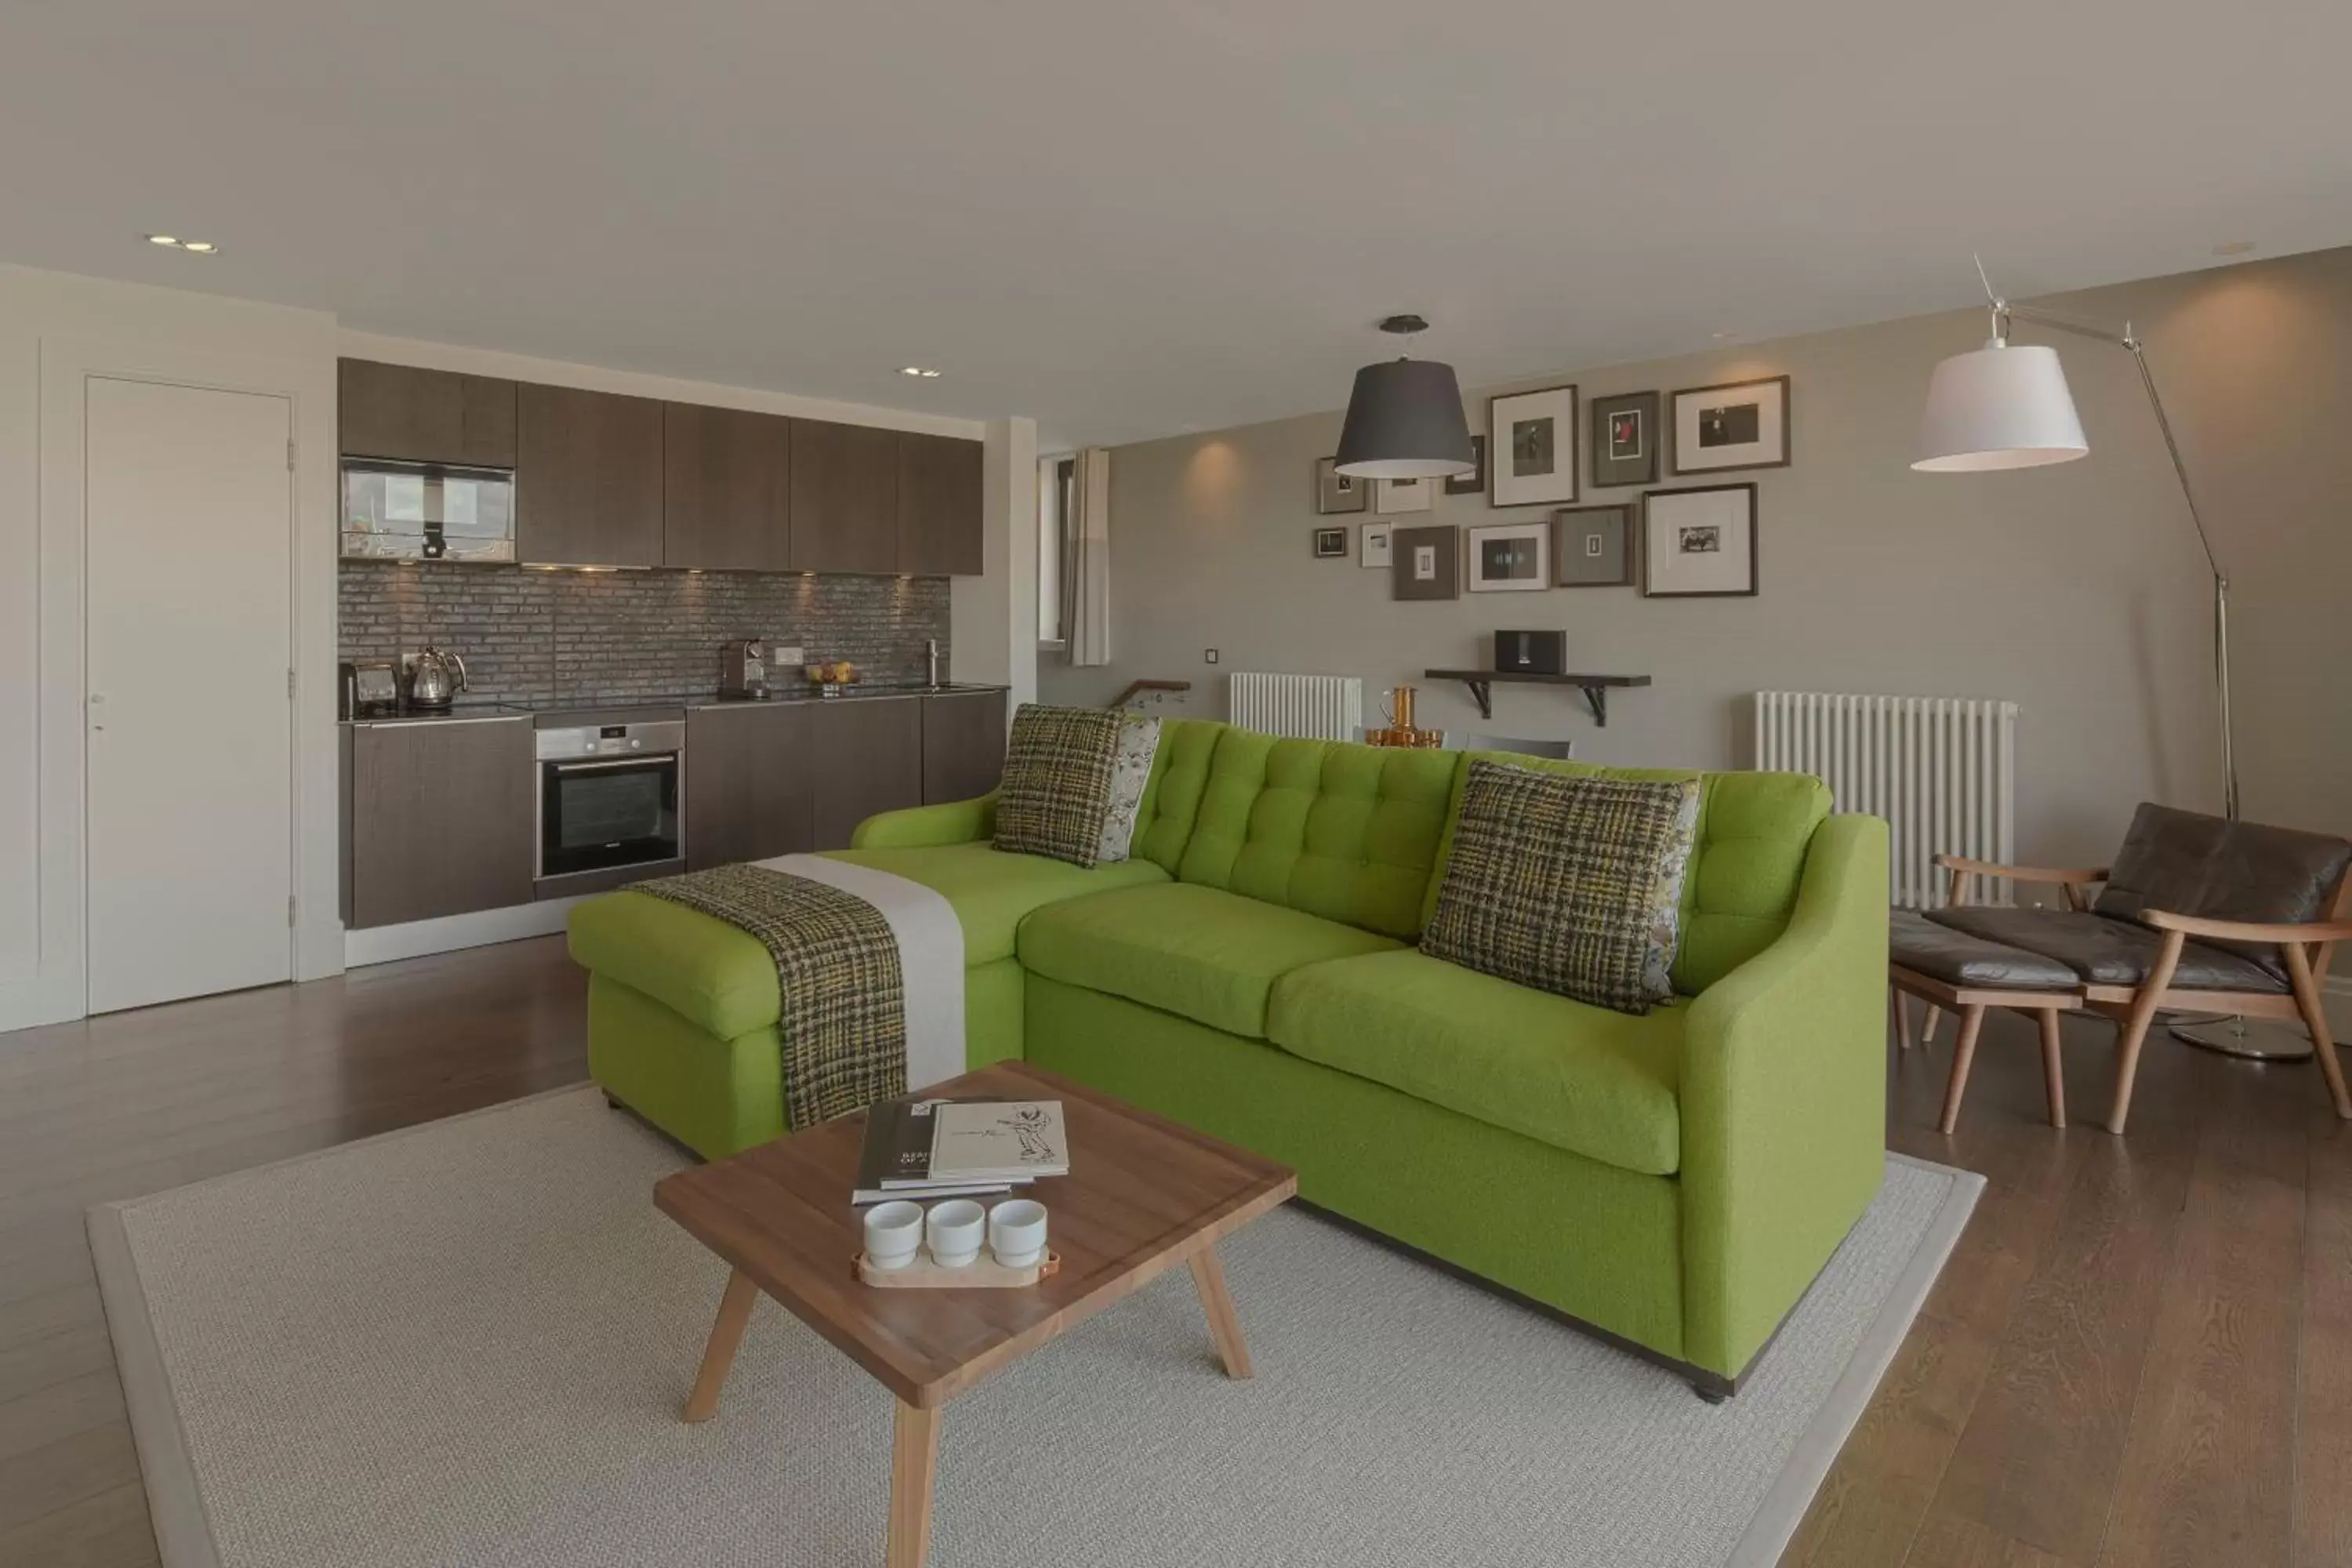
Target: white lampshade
[[1999, 407]]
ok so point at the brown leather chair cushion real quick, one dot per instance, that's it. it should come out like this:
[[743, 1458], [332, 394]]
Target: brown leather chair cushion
[[2106, 951], [1919, 944], [2190, 864]]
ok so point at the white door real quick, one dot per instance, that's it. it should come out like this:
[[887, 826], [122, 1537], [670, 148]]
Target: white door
[[190, 626]]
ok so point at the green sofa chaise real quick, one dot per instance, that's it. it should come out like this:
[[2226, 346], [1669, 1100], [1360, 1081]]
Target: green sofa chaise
[[1674, 1181]]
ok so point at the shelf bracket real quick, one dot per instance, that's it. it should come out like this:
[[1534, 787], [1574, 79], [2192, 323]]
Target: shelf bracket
[[1483, 693], [1596, 698]]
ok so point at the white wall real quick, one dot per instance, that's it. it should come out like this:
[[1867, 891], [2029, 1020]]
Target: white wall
[[995, 616], [54, 329]]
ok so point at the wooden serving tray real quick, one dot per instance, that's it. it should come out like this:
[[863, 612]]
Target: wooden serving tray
[[982, 1273]]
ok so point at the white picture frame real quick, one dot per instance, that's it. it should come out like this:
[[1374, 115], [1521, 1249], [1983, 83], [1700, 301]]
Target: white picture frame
[[1372, 546], [1391, 497], [1739, 425], [1699, 543], [1510, 557], [1533, 447]]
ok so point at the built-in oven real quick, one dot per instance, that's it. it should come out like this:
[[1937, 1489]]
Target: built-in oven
[[609, 797]]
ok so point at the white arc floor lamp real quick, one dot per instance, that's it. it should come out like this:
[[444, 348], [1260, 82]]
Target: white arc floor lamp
[[2008, 407]]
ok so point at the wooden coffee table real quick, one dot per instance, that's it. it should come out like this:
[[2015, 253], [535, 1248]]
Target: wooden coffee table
[[1143, 1195]]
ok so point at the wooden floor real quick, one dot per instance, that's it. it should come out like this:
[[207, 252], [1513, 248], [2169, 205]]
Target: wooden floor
[[2141, 1354]]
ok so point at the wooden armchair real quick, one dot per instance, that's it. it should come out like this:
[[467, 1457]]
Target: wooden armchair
[[2198, 913]]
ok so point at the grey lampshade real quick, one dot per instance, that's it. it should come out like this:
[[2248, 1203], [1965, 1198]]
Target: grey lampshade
[[1404, 422]]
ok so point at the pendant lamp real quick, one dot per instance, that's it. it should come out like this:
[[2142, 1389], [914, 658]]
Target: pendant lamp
[[1404, 418]]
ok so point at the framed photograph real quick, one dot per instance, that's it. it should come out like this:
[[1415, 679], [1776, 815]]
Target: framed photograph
[[1392, 496], [1471, 483], [1335, 492], [1593, 546], [1425, 564], [1625, 439], [1510, 557], [1699, 543], [1330, 545], [1372, 546], [1532, 435], [1742, 425]]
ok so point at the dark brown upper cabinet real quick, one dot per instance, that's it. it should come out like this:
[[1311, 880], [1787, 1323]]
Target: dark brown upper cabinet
[[588, 479], [938, 505], [726, 489], [426, 416], [845, 485]]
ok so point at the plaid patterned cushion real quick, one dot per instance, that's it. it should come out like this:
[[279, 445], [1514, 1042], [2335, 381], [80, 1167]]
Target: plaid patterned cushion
[[1056, 787], [1567, 883]]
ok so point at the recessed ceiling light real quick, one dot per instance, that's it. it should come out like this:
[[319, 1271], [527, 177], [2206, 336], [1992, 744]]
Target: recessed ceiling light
[[2233, 247], [922, 372], [171, 240], [1720, 335], [193, 247], [201, 247]]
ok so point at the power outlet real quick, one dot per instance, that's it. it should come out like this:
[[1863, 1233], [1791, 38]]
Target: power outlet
[[784, 657], [1208, 656]]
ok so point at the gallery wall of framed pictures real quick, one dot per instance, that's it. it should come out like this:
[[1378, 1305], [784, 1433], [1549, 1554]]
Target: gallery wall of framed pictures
[[1542, 447]]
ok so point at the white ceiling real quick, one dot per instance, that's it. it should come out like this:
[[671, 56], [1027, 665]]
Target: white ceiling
[[1129, 219]]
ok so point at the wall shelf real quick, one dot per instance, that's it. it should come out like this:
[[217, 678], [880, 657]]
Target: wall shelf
[[1481, 683]]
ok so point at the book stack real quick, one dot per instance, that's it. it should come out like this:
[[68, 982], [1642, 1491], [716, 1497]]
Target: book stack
[[921, 1149]]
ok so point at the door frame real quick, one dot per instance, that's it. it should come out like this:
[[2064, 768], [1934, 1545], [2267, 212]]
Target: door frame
[[58, 989]]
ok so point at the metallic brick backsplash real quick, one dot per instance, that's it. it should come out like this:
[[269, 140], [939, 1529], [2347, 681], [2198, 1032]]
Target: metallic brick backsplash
[[551, 636]]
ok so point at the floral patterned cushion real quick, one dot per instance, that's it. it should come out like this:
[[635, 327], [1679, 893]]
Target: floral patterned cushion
[[1138, 740]]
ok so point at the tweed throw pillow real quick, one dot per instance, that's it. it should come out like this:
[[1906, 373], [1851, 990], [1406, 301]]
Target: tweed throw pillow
[[1139, 740], [1056, 787], [1569, 883]]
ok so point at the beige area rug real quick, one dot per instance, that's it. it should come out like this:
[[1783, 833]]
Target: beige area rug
[[464, 1344]]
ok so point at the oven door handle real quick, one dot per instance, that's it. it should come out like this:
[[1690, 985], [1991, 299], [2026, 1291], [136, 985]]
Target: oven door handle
[[655, 758]]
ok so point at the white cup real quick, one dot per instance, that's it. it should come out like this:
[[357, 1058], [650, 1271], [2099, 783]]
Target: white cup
[[893, 1231], [954, 1228], [1016, 1232]]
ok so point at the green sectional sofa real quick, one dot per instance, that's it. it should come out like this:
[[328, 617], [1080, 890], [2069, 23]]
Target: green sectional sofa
[[1674, 1181]]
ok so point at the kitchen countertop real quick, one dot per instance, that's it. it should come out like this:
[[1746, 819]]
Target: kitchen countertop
[[560, 712]]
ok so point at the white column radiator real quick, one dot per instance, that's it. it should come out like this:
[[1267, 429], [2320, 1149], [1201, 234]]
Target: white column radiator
[[1941, 770], [1316, 707]]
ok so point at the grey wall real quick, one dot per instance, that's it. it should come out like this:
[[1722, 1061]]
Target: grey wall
[[2077, 591], [554, 637]]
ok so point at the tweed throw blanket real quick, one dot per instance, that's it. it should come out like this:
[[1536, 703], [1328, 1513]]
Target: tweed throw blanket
[[843, 1024]]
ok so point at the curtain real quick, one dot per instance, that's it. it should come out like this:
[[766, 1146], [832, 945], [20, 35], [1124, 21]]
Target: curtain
[[1086, 578]]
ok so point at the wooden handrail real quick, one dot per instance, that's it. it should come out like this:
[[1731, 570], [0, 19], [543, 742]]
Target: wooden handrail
[[2247, 930], [2083, 877], [1135, 686]]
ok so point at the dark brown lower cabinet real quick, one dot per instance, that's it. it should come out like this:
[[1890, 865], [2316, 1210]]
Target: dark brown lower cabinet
[[438, 819], [751, 782], [867, 754], [963, 745]]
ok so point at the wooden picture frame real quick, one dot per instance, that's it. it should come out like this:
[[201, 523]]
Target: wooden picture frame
[[1337, 494], [1475, 482], [1509, 557], [1614, 465], [1531, 441], [1373, 539], [1330, 545], [1679, 526], [1577, 530], [1717, 430], [1426, 562]]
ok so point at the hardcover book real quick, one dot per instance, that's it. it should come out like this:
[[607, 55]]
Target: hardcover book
[[1004, 1139], [895, 1162]]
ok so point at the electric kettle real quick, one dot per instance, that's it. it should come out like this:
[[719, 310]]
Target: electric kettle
[[434, 679]]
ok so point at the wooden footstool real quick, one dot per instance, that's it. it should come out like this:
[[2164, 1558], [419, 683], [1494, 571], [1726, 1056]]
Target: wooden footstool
[[1946, 968], [1142, 1197]]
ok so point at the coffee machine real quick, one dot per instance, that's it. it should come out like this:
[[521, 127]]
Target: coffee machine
[[743, 669]]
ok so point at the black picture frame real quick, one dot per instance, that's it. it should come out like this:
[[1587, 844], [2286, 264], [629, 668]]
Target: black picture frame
[[1652, 555], [1611, 471], [1333, 488], [1475, 482], [1612, 523], [1684, 467], [1330, 545]]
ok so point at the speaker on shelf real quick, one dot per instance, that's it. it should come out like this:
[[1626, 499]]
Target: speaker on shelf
[[1531, 653]]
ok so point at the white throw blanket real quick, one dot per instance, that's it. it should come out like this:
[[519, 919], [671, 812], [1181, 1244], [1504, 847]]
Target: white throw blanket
[[930, 958]]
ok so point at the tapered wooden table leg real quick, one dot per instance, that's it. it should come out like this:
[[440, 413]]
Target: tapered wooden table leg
[[1208, 1277], [718, 1355], [2053, 1067], [1964, 1054], [914, 1471]]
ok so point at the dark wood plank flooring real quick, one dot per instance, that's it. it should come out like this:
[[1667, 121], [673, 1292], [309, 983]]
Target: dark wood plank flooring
[[2142, 1352]]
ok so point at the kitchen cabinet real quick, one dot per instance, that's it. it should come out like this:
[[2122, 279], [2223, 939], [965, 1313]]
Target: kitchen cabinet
[[726, 489], [845, 490], [750, 783], [963, 745], [938, 505], [438, 819], [588, 477], [415, 415], [865, 754]]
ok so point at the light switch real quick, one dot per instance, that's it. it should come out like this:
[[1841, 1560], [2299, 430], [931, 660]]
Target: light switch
[[1208, 656]]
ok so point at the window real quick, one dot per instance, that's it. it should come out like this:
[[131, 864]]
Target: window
[[1056, 485]]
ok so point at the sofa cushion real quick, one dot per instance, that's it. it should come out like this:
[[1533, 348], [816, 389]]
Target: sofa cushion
[[1572, 885], [1199, 953], [1956, 958], [1343, 831], [722, 980], [1056, 787], [1172, 796], [1131, 775], [1594, 1082], [2186, 863], [1753, 831], [2105, 952]]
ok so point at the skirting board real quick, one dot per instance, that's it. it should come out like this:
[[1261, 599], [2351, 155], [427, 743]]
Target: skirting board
[[386, 944]]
